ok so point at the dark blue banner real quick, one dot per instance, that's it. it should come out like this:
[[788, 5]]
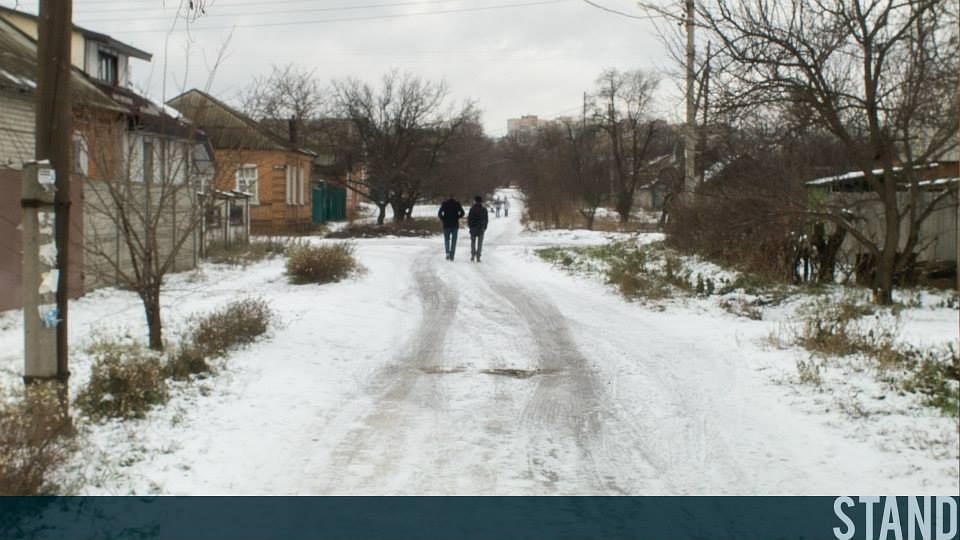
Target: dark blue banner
[[500, 518]]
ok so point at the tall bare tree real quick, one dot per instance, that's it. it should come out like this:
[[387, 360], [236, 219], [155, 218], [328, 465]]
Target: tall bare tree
[[622, 110], [879, 75], [402, 129]]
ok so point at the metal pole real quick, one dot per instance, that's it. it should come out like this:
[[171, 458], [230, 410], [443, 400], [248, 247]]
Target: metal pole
[[54, 134]]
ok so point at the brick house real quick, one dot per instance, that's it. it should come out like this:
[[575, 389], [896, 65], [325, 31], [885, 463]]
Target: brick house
[[252, 159]]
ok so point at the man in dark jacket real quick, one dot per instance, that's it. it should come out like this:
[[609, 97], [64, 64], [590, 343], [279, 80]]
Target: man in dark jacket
[[477, 222], [450, 213]]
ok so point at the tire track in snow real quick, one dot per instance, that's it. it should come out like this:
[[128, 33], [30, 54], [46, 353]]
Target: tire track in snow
[[368, 455], [566, 401]]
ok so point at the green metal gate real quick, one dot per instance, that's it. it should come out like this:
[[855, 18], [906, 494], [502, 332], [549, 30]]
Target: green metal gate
[[329, 203]]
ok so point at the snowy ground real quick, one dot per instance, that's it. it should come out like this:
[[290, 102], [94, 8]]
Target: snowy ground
[[505, 377]]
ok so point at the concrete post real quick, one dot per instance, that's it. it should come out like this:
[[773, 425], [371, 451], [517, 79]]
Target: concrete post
[[40, 276]]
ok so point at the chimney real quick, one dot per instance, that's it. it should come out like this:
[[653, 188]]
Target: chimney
[[292, 126]]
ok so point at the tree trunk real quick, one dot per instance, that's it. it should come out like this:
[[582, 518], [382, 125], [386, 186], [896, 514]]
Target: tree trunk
[[382, 213], [828, 250], [624, 205], [151, 305], [886, 265], [591, 216]]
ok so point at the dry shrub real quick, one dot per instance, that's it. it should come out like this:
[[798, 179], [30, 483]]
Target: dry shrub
[[35, 439], [326, 263], [126, 380], [213, 335], [745, 217], [935, 374], [242, 254], [416, 228], [832, 327]]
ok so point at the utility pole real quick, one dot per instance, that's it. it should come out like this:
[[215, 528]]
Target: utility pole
[[54, 134], [690, 133], [583, 119]]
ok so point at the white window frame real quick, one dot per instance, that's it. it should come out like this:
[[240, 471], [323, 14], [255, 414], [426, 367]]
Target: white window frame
[[247, 184], [288, 173], [301, 180]]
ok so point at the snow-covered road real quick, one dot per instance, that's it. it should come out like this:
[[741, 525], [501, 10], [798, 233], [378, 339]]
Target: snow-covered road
[[505, 377]]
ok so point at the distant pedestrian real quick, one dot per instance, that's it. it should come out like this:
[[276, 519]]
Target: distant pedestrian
[[477, 222], [450, 213], [497, 205], [506, 207]]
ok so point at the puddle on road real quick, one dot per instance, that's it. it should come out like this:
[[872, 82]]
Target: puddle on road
[[439, 370], [513, 373], [518, 373]]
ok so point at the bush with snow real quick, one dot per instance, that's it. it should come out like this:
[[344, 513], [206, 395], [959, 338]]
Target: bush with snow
[[126, 381], [213, 335], [326, 263]]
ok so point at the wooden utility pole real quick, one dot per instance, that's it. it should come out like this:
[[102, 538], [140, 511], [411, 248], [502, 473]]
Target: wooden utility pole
[[690, 133], [54, 135]]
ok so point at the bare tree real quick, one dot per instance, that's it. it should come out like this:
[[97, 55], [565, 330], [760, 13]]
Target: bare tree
[[142, 211], [288, 101], [622, 109], [402, 128], [878, 75]]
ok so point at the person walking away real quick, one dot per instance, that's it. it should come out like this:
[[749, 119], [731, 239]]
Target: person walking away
[[497, 204], [506, 207], [477, 221], [450, 213]]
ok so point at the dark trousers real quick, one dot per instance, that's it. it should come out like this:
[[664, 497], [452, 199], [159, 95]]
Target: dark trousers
[[476, 243], [450, 241]]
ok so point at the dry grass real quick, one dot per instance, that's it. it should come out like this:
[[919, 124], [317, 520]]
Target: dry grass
[[35, 440], [240, 254], [409, 228]]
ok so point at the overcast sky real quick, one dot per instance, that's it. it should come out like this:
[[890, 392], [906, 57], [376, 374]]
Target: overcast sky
[[512, 57]]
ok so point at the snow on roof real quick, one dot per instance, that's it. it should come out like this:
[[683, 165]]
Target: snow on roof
[[16, 79], [939, 182], [857, 175]]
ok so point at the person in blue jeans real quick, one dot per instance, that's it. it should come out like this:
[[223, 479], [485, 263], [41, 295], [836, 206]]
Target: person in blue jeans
[[451, 211]]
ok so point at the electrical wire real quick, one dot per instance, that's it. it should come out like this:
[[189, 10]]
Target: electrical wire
[[221, 12], [196, 27], [261, 13], [621, 13]]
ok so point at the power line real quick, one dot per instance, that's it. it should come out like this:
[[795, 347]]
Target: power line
[[273, 12], [617, 12], [195, 27], [220, 11]]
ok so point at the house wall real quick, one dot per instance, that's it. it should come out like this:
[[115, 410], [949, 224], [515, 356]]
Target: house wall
[[28, 25], [108, 248], [16, 129], [938, 233], [272, 214]]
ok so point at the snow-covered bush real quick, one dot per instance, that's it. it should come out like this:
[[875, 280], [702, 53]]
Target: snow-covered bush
[[126, 380], [321, 264], [35, 439], [213, 335]]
